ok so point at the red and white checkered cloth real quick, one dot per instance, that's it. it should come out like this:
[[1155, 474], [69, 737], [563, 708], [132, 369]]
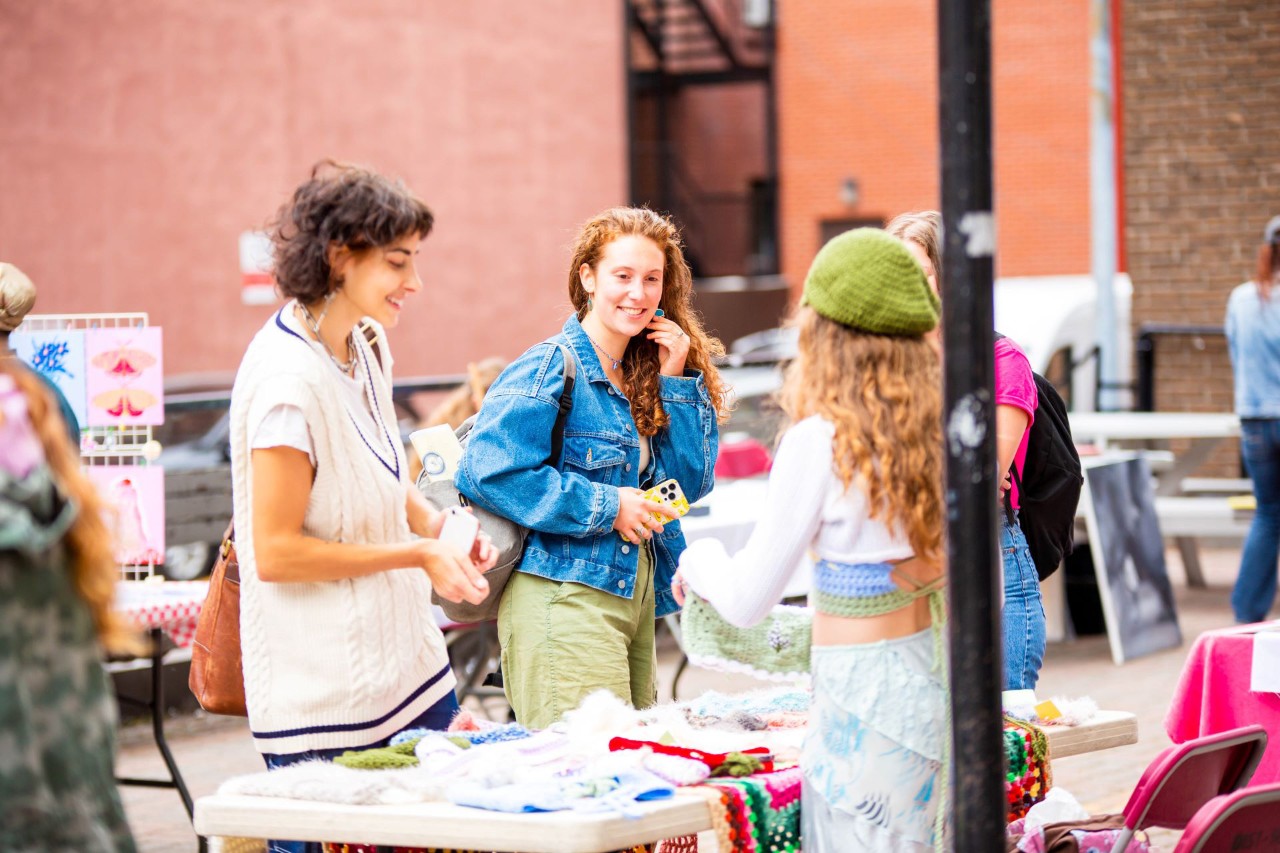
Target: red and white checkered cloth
[[172, 606]]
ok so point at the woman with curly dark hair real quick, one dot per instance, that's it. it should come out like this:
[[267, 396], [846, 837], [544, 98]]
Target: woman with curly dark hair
[[579, 613], [338, 554]]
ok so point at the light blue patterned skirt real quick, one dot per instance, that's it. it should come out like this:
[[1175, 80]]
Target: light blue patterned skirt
[[873, 754]]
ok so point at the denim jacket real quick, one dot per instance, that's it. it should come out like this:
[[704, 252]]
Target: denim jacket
[[570, 508], [1253, 341]]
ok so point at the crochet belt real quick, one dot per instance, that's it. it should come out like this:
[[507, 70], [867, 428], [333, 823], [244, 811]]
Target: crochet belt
[[859, 590]]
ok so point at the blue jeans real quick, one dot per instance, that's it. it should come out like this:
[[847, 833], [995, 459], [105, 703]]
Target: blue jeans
[[1255, 589], [437, 717], [1022, 619]]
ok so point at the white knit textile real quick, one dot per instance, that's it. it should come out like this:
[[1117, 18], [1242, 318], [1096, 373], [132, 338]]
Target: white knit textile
[[806, 506], [331, 664]]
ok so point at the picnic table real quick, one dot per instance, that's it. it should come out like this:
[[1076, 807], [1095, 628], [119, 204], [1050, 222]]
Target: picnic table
[[1184, 518], [1205, 430]]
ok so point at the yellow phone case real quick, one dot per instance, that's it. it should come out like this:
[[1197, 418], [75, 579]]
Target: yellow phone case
[[668, 492]]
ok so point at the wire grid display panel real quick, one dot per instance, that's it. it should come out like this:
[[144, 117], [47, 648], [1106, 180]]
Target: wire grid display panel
[[125, 445]]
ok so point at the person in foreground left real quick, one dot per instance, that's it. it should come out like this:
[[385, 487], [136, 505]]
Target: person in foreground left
[[57, 582]]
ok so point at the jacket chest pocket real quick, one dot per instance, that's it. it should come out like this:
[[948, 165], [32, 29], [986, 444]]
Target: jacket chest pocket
[[598, 459]]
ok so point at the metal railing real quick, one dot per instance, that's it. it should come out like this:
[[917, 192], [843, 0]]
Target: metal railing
[[1145, 351]]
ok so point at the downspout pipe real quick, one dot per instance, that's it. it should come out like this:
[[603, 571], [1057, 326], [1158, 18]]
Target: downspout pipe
[[1102, 201]]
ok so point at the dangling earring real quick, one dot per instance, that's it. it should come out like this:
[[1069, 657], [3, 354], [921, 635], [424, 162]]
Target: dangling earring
[[591, 303]]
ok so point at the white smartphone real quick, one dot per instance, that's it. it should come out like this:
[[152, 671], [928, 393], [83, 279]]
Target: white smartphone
[[460, 528]]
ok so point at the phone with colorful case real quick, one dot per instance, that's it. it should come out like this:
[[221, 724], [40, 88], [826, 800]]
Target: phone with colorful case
[[668, 492]]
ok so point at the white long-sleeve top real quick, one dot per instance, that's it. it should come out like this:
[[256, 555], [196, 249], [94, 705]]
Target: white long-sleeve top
[[806, 508]]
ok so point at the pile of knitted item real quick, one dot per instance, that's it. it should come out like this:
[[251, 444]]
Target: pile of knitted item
[[778, 708], [1028, 777], [776, 649]]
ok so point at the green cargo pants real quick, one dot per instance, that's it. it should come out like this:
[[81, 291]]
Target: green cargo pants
[[564, 640]]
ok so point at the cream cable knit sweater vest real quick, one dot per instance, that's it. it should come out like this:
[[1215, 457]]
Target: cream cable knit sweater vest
[[333, 663]]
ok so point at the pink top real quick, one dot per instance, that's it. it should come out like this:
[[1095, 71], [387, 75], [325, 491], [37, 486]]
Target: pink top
[[1015, 386]]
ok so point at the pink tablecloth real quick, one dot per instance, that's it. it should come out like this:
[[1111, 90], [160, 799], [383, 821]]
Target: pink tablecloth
[[172, 606], [1213, 695]]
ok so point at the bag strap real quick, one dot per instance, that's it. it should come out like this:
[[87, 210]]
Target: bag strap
[[373, 339], [227, 552], [566, 404]]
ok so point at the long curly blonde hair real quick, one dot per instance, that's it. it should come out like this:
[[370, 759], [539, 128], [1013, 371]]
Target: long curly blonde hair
[[883, 393], [93, 568], [640, 361]]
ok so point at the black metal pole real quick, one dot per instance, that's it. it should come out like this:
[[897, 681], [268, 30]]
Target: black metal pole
[[627, 60], [977, 758], [770, 34]]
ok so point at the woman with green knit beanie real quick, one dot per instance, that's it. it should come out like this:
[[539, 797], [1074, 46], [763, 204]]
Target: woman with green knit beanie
[[857, 481]]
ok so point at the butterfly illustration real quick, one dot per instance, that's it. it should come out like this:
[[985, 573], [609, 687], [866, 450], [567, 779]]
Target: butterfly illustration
[[124, 362], [125, 402]]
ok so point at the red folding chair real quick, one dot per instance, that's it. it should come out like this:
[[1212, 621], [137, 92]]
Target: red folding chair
[[1248, 819], [1185, 776]]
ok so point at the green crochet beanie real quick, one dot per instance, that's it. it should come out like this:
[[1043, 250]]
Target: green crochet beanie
[[867, 279]]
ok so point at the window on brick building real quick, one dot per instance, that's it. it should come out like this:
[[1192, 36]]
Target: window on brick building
[[829, 228]]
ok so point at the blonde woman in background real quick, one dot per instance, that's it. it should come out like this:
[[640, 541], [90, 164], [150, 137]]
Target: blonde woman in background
[[1022, 606], [464, 401]]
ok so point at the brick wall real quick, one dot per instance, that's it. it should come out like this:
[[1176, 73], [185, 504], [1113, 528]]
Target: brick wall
[[140, 137], [858, 97], [1202, 176]]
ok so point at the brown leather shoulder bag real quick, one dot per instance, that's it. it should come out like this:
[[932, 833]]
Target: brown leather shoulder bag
[[217, 679]]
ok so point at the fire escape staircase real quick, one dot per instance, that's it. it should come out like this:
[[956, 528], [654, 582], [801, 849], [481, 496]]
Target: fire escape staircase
[[700, 42]]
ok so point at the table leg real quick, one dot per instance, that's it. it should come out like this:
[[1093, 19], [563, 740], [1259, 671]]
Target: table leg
[[1185, 465], [156, 707], [1189, 551], [673, 625]]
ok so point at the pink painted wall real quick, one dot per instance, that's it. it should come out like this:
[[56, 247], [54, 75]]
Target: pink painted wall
[[140, 137]]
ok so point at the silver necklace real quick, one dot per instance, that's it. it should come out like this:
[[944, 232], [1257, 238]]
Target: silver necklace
[[614, 361], [314, 324]]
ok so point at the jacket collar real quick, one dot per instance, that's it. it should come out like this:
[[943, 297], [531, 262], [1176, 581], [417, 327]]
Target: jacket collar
[[585, 350]]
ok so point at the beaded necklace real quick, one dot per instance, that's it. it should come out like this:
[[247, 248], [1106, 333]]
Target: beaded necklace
[[614, 362]]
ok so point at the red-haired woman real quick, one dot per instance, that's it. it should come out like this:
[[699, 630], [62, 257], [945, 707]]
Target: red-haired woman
[[578, 614]]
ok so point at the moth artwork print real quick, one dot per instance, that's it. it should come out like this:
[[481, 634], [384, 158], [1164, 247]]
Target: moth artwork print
[[125, 376]]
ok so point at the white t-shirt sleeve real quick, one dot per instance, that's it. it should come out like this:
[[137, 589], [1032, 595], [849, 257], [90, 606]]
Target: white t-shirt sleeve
[[284, 426], [745, 587]]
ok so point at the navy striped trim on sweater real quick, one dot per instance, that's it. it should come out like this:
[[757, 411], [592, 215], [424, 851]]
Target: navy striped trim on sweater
[[352, 727], [393, 468]]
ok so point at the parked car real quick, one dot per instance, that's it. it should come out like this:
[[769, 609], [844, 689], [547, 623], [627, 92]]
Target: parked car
[[196, 455]]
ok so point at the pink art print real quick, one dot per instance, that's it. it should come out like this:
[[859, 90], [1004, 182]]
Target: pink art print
[[135, 495], [125, 376]]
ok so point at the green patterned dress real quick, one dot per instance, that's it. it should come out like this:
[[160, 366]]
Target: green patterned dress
[[57, 715]]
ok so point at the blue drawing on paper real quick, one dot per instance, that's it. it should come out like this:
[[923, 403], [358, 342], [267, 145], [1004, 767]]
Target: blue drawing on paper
[[51, 358], [59, 355]]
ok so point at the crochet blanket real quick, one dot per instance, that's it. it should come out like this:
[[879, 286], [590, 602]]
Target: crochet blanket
[[1028, 777]]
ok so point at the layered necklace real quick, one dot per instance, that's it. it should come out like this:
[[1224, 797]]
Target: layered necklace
[[314, 325]]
